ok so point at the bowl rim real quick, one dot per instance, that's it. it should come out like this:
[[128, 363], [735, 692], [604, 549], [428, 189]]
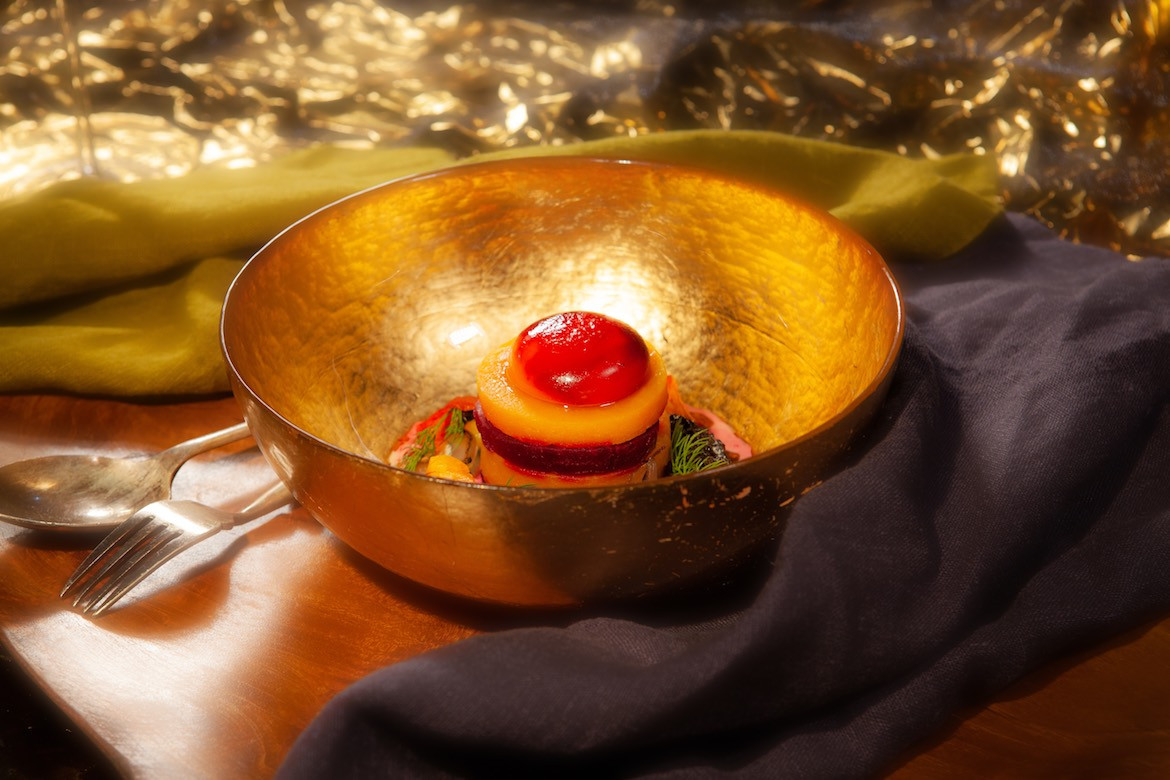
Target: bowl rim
[[880, 377]]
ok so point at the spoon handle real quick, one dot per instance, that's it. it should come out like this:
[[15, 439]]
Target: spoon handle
[[181, 453], [273, 498]]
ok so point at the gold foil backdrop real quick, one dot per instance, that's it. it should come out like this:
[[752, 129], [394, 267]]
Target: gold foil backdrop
[[1072, 98]]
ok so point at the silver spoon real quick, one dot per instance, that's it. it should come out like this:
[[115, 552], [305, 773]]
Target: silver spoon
[[90, 493]]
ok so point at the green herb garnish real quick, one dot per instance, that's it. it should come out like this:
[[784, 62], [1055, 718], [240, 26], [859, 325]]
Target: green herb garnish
[[426, 443], [455, 424], [424, 447], [693, 447]]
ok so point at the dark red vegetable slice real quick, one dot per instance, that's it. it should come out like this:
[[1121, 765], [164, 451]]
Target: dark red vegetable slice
[[565, 460]]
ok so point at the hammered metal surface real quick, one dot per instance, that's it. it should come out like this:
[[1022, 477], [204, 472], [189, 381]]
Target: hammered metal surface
[[363, 318], [1071, 97]]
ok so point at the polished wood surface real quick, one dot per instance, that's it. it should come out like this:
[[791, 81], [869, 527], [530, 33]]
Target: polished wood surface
[[216, 675], [215, 670], [1103, 712]]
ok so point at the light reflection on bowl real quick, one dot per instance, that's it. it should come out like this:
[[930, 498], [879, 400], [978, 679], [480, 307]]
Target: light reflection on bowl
[[367, 315]]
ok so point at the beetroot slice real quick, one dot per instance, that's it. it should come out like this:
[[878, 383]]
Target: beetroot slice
[[567, 460]]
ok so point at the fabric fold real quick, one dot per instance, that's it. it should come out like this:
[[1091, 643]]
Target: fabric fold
[[81, 240], [1008, 505]]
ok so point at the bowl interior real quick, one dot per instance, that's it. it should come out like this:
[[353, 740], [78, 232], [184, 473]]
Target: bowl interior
[[369, 314]]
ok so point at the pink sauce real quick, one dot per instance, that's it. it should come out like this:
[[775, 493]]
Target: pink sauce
[[737, 448]]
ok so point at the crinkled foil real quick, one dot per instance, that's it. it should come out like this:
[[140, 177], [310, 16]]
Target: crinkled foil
[[1070, 97]]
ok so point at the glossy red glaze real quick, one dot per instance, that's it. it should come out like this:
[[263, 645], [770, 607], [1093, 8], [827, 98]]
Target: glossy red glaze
[[582, 358]]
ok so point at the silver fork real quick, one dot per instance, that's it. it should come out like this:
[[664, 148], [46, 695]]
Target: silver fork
[[151, 537]]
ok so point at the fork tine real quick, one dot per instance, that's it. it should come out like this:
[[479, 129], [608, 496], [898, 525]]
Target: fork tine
[[141, 546], [130, 526], [136, 571], [151, 537], [124, 549]]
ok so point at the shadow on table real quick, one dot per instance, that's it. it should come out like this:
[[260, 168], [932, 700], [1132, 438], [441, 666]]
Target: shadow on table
[[718, 597], [36, 739]]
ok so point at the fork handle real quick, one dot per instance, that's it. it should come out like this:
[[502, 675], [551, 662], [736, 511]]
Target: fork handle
[[273, 498]]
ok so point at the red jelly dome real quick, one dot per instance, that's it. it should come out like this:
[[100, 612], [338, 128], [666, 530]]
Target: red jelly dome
[[582, 358]]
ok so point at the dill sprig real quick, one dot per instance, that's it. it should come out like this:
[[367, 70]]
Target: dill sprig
[[455, 424], [424, 447], [693, 448], [426, 443]]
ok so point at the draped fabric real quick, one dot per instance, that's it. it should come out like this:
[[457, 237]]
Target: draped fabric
[[1009, 504]]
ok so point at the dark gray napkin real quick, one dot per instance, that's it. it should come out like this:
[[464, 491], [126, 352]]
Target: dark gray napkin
[[1011, 503]]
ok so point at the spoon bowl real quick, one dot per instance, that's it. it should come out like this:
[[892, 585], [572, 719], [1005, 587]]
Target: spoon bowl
[[91, 493]]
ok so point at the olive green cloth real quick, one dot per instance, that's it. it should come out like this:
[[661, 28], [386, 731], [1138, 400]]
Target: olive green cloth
[[115, 288]]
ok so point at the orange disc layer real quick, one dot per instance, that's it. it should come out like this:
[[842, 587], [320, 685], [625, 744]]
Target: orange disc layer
[[522, 415]]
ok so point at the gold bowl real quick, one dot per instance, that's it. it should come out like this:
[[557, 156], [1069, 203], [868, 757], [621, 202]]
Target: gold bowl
[[372, 312]]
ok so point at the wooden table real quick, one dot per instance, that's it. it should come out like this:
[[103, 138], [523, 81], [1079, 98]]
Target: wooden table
[[215, 671]]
